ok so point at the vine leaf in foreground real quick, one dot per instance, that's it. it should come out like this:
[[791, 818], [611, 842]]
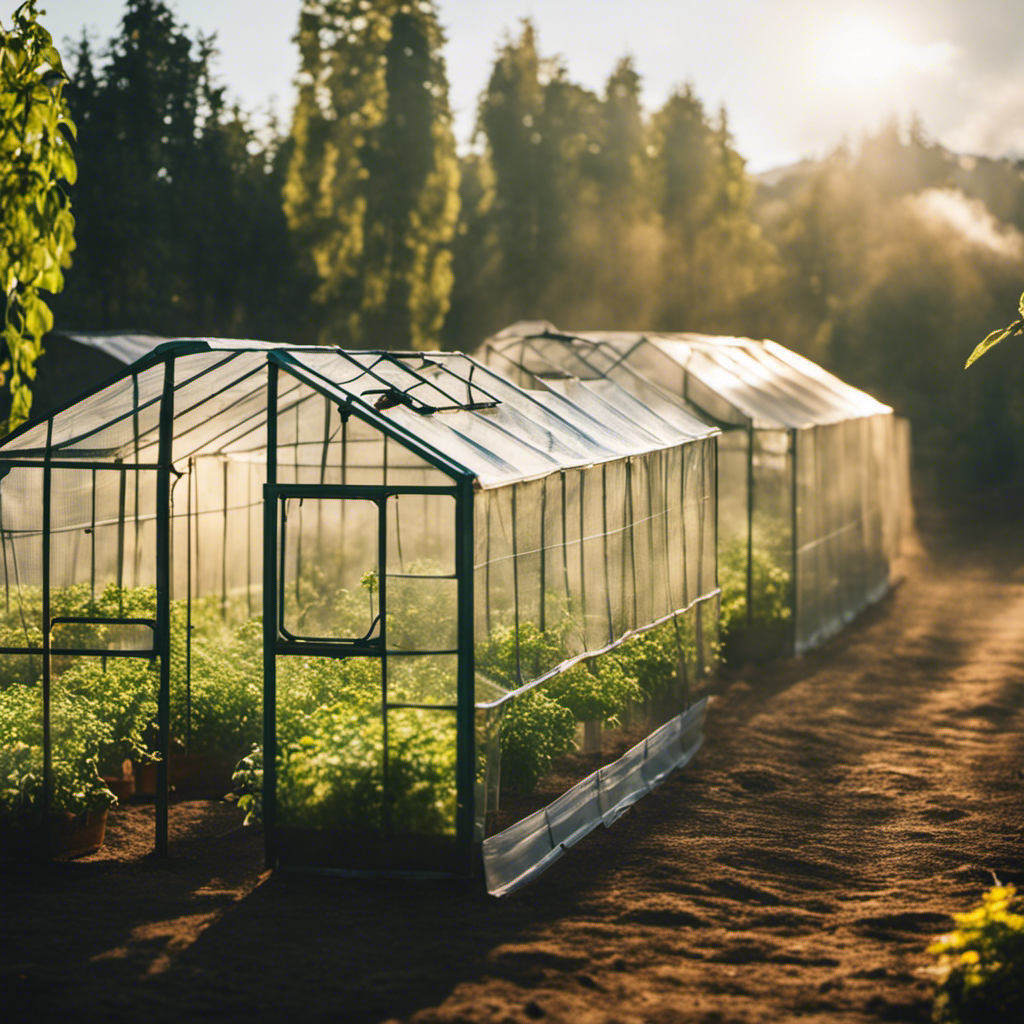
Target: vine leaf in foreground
[[1000, 334]]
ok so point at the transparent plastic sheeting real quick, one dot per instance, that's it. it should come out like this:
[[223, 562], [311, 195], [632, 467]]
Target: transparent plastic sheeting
[[519, 854], [813, 474], [578, 520]]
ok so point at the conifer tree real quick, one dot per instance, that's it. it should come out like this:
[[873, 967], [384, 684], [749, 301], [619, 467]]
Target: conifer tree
[[542, 135], [372, 187], [629, 240], [715, 256]]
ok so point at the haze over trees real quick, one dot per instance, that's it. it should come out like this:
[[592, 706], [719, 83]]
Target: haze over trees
[[353, 220]]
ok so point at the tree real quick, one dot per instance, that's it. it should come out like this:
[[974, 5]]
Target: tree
[[715, 256], [509, 110], [178, 199], [371, 192], [627, 238], [412, 190], [36, 225]]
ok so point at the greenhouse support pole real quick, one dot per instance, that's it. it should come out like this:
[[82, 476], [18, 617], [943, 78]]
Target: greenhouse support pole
[[515, 585], [382, 606], [632, 539], [163, 603], [47, 736], [248, 539], [714, 547], [7, 580], [136, 553], [92, 538], [120, 535], [750, 526], [604, 543], [565, 548], [583, 553], [188, 608], [682, 666], [794, 519], [465, 725], [543, 556], [323, 479], [270, 625], [701, 527], [224, 547]]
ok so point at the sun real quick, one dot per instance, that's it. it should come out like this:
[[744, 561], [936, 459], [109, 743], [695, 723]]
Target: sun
[[864, 51]]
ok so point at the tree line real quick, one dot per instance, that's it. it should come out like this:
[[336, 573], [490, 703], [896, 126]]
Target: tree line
[[357, 222]]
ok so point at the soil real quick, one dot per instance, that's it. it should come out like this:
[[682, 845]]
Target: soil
[[843, 807]]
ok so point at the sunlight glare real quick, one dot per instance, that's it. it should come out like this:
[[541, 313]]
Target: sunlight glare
[[862, 51]]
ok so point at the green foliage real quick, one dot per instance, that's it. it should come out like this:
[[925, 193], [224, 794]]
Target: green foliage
[[36, 226], [539, 725], [372, 187], [982, 962], [1014, 330], [247, 782], [179, 192], [534, 731], [583, 210], [772, 594], [124, 694], [223, 715], [330, 730], [653, 657], [79, 733]]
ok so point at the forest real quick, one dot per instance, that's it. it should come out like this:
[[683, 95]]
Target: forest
[[355, 220]]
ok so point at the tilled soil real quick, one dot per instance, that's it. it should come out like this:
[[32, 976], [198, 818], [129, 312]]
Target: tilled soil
[[844, 806]]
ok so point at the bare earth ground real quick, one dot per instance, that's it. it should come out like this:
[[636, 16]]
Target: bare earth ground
[[843, 807]]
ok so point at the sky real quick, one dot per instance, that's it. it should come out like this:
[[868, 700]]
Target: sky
[[796, 77]]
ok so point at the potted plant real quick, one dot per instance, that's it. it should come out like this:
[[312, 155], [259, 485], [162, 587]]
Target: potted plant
[[79, 799], [124, 691]]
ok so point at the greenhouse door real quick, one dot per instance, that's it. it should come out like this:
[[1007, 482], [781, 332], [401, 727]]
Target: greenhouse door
[[362, 681]]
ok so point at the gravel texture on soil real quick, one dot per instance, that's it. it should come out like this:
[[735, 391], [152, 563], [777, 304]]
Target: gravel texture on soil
[[844, 806]]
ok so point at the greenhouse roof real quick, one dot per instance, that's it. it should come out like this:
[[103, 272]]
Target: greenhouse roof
[[735, 381], [124, 346], [472, 420]]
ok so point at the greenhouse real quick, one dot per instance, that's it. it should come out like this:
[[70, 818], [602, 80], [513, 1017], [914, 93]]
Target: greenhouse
[[412, 612], [813, 492]]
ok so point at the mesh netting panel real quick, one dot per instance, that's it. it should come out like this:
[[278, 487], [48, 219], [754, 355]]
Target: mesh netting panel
[[544, 741], [847, 532], [21, 502], [103, 557], [220, 404], [316, 445], [572, 566], [770, 571]]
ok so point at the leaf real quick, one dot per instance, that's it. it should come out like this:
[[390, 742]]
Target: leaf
[[1020, 305], [993, 339]]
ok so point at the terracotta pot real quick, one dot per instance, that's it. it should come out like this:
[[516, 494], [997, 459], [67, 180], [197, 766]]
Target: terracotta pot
[[145, 778], [76, 835], [192, 775], [201, 775], [122, 785], [70, 835]]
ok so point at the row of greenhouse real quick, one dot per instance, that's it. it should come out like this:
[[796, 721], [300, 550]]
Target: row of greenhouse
[[420, 610]]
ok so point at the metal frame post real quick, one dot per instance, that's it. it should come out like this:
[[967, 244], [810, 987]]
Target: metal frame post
[[47, 680], [465, 722], [163, 603], [270, 626], [795, 518]]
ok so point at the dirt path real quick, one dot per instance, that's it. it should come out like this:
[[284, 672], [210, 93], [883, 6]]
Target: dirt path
[[844, 805]]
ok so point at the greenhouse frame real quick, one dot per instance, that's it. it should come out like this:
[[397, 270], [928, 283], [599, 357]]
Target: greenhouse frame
[[489, 613], [814, 474]]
